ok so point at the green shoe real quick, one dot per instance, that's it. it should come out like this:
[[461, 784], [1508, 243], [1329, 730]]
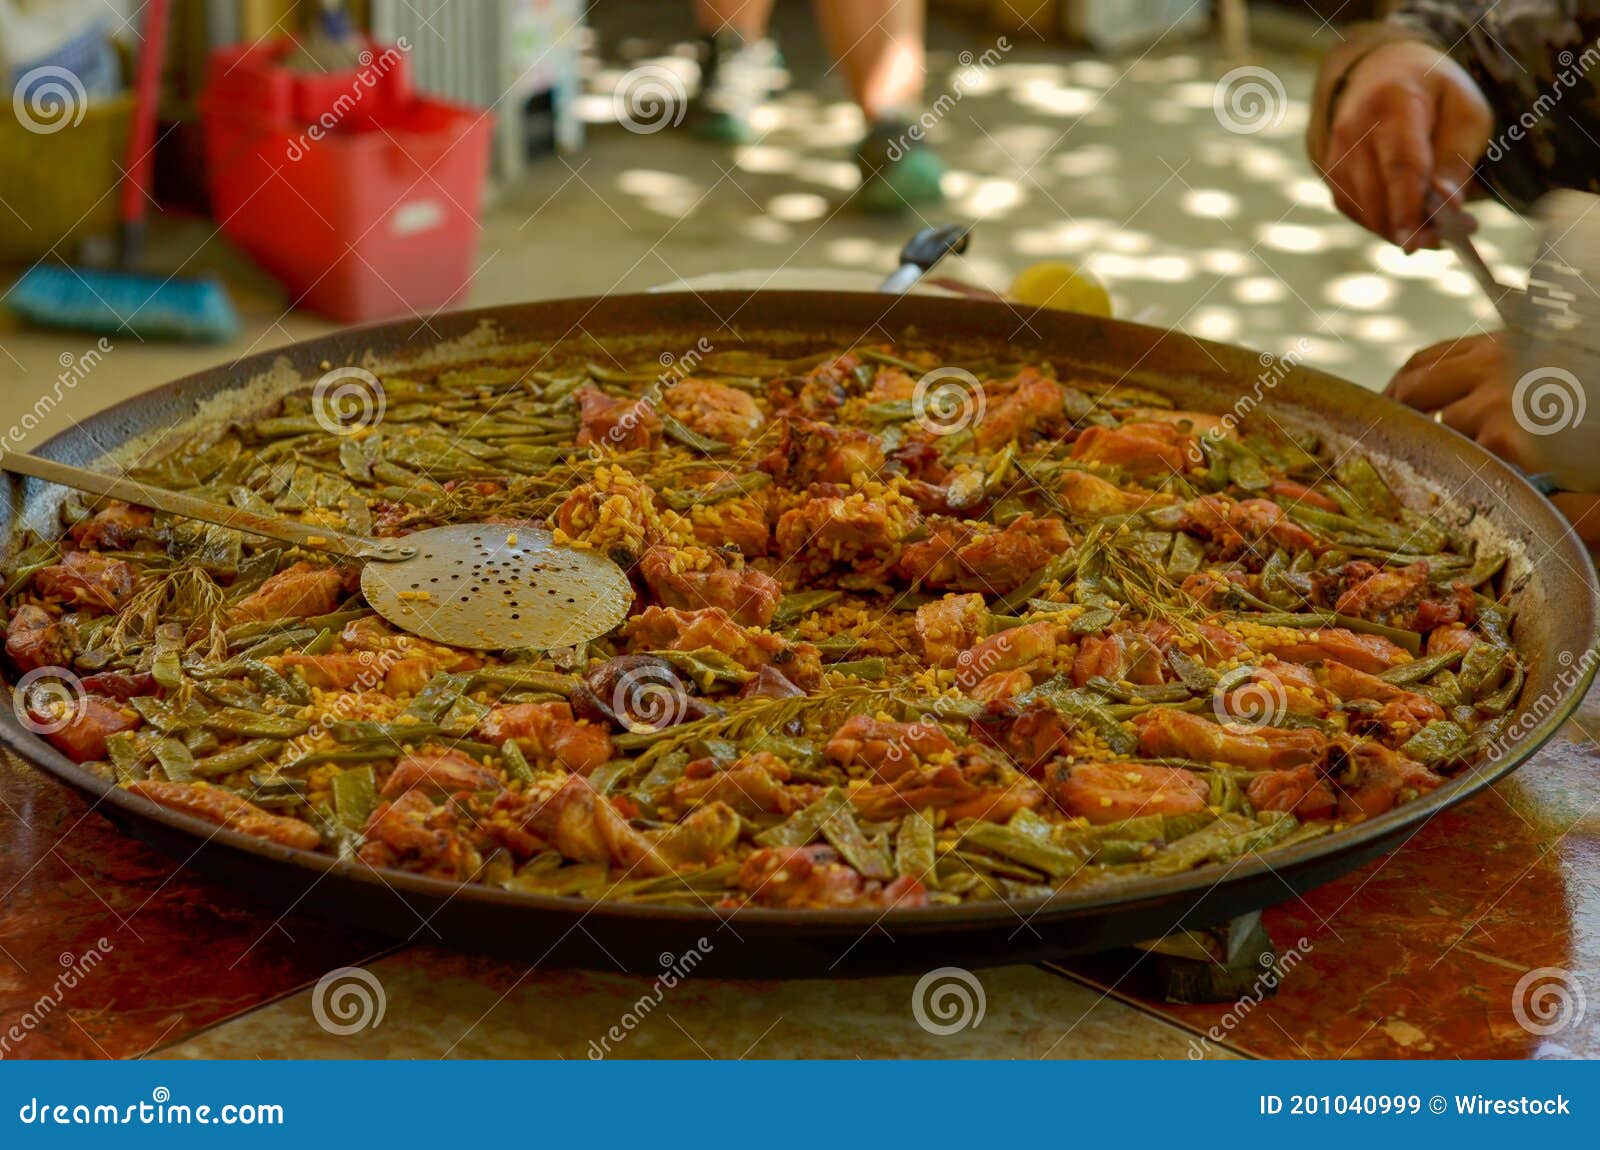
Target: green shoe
[[897, 171], [737, 79]]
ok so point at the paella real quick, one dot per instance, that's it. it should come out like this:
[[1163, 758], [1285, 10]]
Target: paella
[[904, 632]]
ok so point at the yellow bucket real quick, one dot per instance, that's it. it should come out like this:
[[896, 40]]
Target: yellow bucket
[[58, 186]]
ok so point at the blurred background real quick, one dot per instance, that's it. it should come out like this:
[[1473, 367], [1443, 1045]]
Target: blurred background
[[288, 167]]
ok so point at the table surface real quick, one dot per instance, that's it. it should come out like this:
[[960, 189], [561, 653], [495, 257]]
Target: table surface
[[1477, 939]]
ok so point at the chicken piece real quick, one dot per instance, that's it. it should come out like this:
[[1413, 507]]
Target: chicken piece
[[1403, 713], [714, 410], [949, 626], [586, 827], [740, 522], [408, 676], [549, 731], [616, 424], [87, 579], [333, 672], [84, 726], [853, 530], [121, 685], [1169, 734], [702, 837], [1293, 493], [440, 773], [1243, 530], [1144, 450], [115, 527], [693, 577], [669, 629], [961, 556], [1376, 778], [822, 389], [1372, 592], [1034, 406], [755, 784], [888, 749], [298, 592], [1450, 637], [891, 384], [973, 787], [1030, 647], [1087, 495], [1119, 655], [770, 683], [1111, 792], [1302, 790], [1037, 734], [1000, 686], [814, 878], [1292, 687], [1371, 653], [226, 809], [35, 638], [616, 514], [1202, 423], [812, 452], [414, 833]]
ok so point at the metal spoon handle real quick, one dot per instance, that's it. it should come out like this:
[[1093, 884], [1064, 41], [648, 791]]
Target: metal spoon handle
[[1456, 231], [177, 503]]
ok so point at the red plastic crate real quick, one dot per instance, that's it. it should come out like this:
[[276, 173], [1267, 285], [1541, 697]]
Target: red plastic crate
[[364, 206]]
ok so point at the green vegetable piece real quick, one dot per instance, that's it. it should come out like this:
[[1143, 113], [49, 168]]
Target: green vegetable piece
[[175, 759], [1025, 849], [355, 794], [805, 825], [1440, 741], [914, 851], [844, 834], [515, 763], [254, 753]]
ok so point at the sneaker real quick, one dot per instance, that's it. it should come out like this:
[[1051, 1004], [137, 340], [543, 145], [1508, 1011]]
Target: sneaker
[[737, 79], [897, 171]]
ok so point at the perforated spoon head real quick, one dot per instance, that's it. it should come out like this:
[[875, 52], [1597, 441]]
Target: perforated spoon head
[[492, 588]]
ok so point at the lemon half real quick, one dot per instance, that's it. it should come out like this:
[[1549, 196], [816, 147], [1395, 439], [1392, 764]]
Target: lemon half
[[1058, 285]]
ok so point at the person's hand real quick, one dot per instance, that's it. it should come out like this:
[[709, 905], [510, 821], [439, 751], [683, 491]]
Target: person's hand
[[1465, 384], [1409, 122]]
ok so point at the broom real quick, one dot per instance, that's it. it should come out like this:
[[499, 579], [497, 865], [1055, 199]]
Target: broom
[[87, 299]]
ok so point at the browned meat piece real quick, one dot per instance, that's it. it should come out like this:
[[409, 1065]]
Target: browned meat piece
[[974, 787], [1169, 734], [1037, 734], [770, 683], [669, 629], [1088, 495], [1377, 777], [585, 827], [416, 834], [821, 390], [812, 452], [86, 579], [296, 593], [1000, 686], [335, 672], [1302, 790], [951, 625], [440, 773], [889, 749], [86, 726], [1371, 653], [1145, 450], [1030, 647], [960, 557], [549, 731], [121, 685], [226, 809], [1451, 637], [1246, 530], [756, 784], [115, 527], [617, 424], [1118, 655], [35, 638], [814, 878], [844, 530], [1031, 406], [1111, 792], [714, 410], [694, 577], [1400, 597]]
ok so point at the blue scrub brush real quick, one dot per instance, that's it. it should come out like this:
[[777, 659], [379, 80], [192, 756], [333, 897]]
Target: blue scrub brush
[[122, 301]]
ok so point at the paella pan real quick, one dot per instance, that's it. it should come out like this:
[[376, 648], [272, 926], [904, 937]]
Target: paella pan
[[1023, 638]]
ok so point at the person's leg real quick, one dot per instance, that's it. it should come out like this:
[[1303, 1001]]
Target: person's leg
[[878, 46], [741, 67], [748, 18]]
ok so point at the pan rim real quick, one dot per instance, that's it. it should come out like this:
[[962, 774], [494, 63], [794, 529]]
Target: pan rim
[[1058, 907]]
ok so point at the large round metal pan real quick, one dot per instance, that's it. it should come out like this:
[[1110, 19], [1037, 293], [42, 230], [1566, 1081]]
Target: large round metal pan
[[1550, 578]]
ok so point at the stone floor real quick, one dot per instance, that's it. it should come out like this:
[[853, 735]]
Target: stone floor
[[1124, 165]]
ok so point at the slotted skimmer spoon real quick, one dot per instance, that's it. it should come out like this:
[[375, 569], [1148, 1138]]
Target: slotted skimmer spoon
[[471, 585]]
